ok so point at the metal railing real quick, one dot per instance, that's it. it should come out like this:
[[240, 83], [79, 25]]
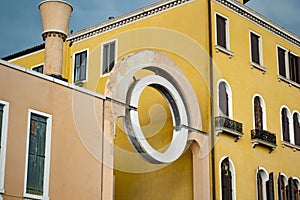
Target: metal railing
[[263, 135], [229, 124]]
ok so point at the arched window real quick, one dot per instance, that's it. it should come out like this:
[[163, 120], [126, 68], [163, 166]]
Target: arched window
[[261, 185], [227, 180], [258, 113], [282, 187], [265, 185], [296, 126], [224, 99], [285, 125]]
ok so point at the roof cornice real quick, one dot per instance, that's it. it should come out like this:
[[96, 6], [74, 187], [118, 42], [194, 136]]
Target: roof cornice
[[260, 20], [126, 19]]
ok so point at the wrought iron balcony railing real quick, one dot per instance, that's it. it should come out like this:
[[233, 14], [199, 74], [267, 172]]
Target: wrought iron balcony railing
[[226, 125], [264, 138]]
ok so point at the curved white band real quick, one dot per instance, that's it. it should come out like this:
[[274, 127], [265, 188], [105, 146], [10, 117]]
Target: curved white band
[[179, 115]]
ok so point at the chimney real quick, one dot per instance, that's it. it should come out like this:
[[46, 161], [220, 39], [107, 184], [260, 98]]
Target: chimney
[[55, 15]]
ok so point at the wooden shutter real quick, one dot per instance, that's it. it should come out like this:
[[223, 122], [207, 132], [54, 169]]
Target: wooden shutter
[[292, 67], [36, 157], [255, 48], [226, 180], [1, 121], [83, 66], [298, 70], [281, 61], [285, 125], [259, 187], [258, 114], [270, 187], [223, 99], [221, 31], [296, 128], [111, 55]]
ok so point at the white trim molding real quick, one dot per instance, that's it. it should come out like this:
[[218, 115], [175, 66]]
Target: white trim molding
[[3, 133], [45, 195]]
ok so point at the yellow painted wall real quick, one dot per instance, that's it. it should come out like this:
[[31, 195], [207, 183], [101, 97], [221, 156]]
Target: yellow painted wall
[[245, 82]]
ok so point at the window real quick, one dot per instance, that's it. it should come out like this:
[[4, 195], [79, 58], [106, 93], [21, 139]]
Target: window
[[265, 185], [294, 68], [288, 65], [292, 189], [80, 66], [285, 125], [281, 61], [39, 68], [221, 31], [282, 187], [3, 138], [38, 153], [224, 99], [108, 56], [296, 126], [227, 180], [256, 51], [259, 113]]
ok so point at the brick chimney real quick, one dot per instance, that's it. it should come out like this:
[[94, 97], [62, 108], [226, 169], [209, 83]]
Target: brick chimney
[[55, 16]]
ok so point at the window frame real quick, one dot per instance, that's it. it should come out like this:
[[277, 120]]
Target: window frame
[[45, 195], [259, 65], [285, 179], [233, 177], [287, 77], [36, 66], [115, 40], [264, 110], [229, 93], [265, 178], [87, 64], [226, 49], [291, 137], [3, 133]]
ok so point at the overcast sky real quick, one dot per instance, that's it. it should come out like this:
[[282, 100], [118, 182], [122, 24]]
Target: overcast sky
[[20, 25]]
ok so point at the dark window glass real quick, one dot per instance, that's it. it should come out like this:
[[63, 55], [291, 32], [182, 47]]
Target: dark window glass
[[255, 48], [281, 61], [258, 114], [221, 31], [36, 157], [296, 128], [270, 187], [223, 99], [1, 122], [260, 195], [226, 180], [80, 66], [39, 69], [108, 57], [285, 125]]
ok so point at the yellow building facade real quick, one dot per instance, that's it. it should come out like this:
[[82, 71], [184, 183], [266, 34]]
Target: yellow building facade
[[219, 73]]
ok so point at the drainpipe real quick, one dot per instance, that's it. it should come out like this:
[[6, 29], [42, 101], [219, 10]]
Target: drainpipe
[[211, 90], [55, 16]]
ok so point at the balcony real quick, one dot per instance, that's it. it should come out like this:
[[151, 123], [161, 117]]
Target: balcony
[[229, 126], [263, 138]]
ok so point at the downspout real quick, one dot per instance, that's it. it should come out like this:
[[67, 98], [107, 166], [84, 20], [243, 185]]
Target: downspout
[[211, 90]]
